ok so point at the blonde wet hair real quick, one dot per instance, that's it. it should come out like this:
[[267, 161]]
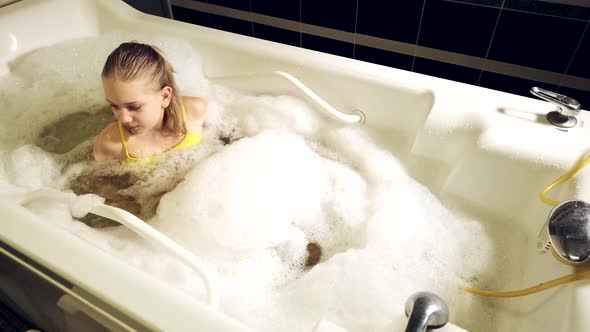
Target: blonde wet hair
[[133, 60]]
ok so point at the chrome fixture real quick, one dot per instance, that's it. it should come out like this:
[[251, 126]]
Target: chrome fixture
[[567, 108], [568, 227], [426, 311]]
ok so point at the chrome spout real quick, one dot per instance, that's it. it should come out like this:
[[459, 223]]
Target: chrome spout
[[426, 311]]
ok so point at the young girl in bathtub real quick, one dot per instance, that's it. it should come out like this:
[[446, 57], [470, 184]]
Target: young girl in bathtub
[[152, 116], [152, 119]]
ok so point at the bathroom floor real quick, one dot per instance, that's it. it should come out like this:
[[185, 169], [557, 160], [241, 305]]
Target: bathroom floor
[[10, 321]]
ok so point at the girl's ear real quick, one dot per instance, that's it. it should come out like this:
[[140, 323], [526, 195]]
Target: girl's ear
[[166, 96]]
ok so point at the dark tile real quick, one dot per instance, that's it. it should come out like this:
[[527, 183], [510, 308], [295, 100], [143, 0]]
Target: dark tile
[[390, 20], [335, 14], [277, 35], [382, 57], [235, 4], [231, 24], [287, 9], [543, 42], [446, 70], [580, 65], [190, 16], [515, 85], [327, 45], [583, 97], [489, 3], [457, 27], [148, 7], [549, 8]]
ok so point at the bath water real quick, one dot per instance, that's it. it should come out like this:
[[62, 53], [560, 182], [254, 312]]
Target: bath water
[[271, 177]]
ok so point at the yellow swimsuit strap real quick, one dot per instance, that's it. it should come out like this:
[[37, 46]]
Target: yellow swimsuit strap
[[190, 139], [124, 142]]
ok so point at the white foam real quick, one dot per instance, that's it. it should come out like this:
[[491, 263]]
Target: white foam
[[250, 208], [248, 195], [31, 168], [84, 203]]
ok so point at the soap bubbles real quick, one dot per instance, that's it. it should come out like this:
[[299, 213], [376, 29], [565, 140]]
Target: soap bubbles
[[303, 218]]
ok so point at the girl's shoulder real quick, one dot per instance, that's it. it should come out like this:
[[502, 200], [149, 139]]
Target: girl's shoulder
[[196, 112], [108, 145]]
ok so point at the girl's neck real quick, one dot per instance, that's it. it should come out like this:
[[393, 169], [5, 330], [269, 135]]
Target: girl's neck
[[159, 130]]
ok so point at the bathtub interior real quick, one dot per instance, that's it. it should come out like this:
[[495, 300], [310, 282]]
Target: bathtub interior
[[484, 154]]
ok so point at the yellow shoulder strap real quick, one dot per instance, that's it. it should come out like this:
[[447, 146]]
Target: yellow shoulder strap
[[183, 111], [122, 132]]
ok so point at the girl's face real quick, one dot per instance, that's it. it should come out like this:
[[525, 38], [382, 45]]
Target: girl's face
[[135, 104]]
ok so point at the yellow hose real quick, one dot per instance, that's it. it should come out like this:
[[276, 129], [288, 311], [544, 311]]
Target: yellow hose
[[561, 179], [527, 291], [555, 282]]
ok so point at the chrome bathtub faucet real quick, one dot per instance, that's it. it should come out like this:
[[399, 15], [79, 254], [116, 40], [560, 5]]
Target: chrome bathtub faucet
[[426, 310], [567, 108], [568, 230]]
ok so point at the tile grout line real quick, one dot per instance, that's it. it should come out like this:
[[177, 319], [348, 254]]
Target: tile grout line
[[507, 69], [514, 10], [471, 3], [485, 61], [208, 14], [418, 34], [547, 15], [300, 19], [573, 56], [251, 19], [356, 20]]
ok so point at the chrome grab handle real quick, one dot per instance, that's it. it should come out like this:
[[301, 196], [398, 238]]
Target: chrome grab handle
[[566, 105]]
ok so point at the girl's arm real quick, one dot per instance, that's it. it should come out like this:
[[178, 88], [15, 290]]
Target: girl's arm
[[107, 145]]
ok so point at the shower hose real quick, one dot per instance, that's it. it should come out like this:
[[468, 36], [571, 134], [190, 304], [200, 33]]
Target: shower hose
[[555, 282]]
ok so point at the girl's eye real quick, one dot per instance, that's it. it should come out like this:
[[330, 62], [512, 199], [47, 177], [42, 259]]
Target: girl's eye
[[134, 108], [114, 107]]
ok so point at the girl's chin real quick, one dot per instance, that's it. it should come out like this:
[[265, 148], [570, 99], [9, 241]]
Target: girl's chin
[[134, 130]]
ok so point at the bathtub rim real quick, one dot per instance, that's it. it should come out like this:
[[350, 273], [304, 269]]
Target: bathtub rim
[[143, 297], [433, 127]]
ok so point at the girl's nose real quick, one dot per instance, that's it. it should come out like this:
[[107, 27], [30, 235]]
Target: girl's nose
[[124, 116]]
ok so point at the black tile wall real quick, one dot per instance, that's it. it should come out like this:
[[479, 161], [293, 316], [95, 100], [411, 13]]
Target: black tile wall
[[540, 34], [583, 97], [235, 4], [287, 9], [543, 7], [390, 20], [446, 70], [190, 16], [532, 40], [327, 45], [581, 63], [335, 14], [457, 27], [231, 24], [277, 35], [381, 57], [489, 3], [153, 7], [512, 84], [549, 8]]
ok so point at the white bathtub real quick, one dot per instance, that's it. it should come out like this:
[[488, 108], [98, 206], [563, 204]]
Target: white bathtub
[[488, 151]]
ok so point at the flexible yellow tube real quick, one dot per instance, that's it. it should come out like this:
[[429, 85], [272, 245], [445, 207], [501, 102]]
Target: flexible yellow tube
[[561, 179], [527, 291], [555, 282]]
